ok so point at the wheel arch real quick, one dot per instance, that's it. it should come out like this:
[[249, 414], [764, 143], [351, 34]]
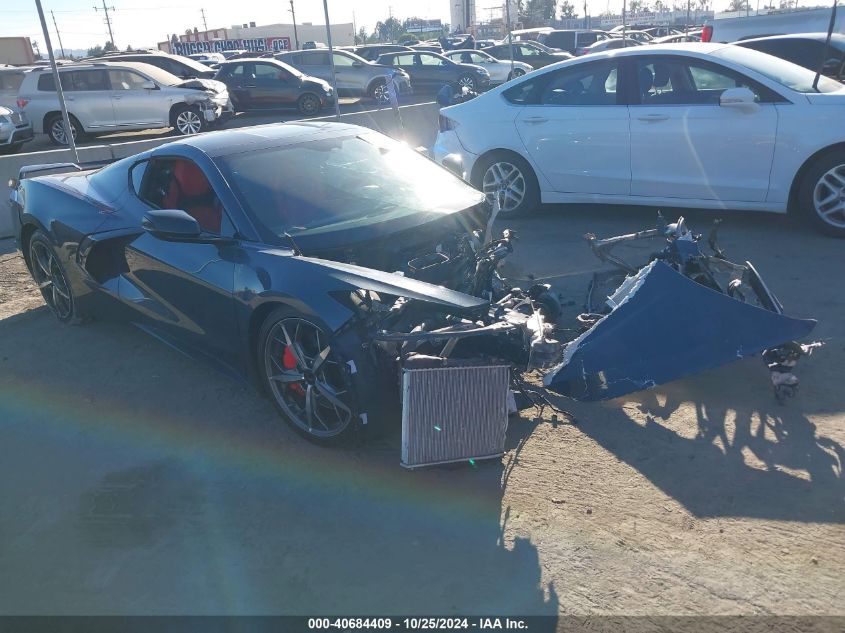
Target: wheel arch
[[475, 172], [52, 113], [792, 201]]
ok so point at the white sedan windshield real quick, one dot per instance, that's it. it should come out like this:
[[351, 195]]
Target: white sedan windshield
[[783, 72]]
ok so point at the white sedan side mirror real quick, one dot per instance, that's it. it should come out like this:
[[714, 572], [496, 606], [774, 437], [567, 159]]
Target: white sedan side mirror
[[741, 98]]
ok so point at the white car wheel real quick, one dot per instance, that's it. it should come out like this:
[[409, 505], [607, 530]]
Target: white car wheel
[[188, 121], [829, 197]]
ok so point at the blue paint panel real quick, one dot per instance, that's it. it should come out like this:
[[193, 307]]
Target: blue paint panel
[[667, 328]]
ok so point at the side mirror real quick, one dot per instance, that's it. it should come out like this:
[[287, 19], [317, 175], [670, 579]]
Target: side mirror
[[149, 85], [741, 98], [171, 224]]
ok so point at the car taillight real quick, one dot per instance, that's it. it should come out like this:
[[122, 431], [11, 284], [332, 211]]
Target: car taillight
[[707, 33], [446, 124], [22, 102]]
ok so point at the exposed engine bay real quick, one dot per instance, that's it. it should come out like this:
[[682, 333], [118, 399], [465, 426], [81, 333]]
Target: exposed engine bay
[[710, 310]]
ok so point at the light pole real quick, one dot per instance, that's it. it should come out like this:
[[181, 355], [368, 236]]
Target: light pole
[[293, 17], [331, 58]]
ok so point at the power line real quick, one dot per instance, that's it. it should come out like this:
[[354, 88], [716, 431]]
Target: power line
[[108, 22]]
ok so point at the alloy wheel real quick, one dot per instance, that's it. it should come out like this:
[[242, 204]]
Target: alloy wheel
[[467, 82], [518, 72], [380, 93], [829, 197], [504, 182], [57, 131], [305, 379], [50, 280], [188, 122]]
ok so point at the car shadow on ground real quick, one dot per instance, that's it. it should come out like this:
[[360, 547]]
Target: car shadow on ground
[[163, 487], [751, 457]]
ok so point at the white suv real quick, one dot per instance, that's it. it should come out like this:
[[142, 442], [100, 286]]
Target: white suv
[[112, 96]]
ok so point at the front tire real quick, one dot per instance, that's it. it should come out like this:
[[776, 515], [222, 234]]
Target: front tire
[[308, 104], [50, 277], [467, 81], [378, 92], [821, 195], [517, 72], [306, 378], [508, 178], [187, 121]]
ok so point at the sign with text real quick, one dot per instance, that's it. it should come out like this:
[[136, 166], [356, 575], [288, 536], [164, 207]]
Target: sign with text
[[256, 44]]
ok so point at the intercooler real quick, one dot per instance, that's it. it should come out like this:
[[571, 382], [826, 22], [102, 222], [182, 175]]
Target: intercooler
[[452, 414]]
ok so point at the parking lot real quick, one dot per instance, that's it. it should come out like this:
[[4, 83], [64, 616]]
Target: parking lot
[[138, 481]]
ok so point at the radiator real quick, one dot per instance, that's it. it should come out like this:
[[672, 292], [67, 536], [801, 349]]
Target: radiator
[[452, 414]]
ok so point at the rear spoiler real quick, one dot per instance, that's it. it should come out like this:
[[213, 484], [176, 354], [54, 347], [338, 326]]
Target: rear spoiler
[[32, 170]]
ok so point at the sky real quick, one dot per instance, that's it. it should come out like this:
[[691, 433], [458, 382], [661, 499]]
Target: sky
[[145, 22]]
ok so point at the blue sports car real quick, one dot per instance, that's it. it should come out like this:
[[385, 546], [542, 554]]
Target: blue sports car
[[320, 258]]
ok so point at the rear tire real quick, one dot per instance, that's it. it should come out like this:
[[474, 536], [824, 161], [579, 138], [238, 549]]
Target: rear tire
[[821, 194], [55, 128], [509, 178], [308, 104], [467, 81]]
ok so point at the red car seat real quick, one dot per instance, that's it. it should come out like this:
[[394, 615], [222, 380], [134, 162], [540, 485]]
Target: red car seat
[[190, 191]]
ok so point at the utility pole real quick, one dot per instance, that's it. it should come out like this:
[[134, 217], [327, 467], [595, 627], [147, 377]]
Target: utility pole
[[586, 16], [204, 23], [58, 83], [108, 22], [59, 35], [293, 17], [331, 58]]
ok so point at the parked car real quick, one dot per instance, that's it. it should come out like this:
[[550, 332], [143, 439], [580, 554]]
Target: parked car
[[268, 84], [430, 47], [233, 53], [805, 49], [527, 52], [15, 130], [355, 76], [692, 36], [610, 44], [371, 52], [660, 31], [815, 20], [207, 59], [704, 126], [572, 41], [429, 72], [311, 45], [183, 67], [110, 96], [500, 71], [640, 36], [479, 44]]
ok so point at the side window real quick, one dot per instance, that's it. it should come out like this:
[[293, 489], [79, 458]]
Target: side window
[[403, 60], [691, 82], [526, 51], [584, 85], [88, 80], [268, 74], [342, 60], [46, 83], [10, 81], [315, 59], [237, 72], [178, 183], [126, 80], [523, 93], [430, 60], [136, 175]]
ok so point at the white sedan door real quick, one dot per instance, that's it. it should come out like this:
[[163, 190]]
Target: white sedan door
[[575, 130], [684, 144]]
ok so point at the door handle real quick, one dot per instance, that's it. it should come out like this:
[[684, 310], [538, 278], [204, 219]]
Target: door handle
[[251, 86], [654, 117], [535, 119]]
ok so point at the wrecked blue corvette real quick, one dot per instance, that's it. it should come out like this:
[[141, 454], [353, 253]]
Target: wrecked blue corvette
[[322, 260]]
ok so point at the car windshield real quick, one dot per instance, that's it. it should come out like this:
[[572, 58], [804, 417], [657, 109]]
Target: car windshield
[[783, 72], [341, 183]]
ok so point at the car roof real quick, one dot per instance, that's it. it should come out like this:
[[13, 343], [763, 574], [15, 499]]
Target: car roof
[[820, 37], [240, 140]]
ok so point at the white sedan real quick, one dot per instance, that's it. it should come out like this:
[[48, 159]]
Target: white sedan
[[500, 70], [676, 125]]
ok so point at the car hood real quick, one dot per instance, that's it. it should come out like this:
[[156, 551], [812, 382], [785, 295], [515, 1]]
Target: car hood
[[209, 85]]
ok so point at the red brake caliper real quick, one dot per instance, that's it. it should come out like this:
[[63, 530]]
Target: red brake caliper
[[289, 362]]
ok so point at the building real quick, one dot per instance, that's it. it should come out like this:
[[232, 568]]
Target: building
[[16, 51], [271, 37], [462, 13]]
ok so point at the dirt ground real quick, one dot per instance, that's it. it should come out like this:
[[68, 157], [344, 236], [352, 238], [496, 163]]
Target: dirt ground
[[137, 481]]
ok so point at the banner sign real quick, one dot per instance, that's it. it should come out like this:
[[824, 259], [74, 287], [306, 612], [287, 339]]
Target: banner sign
[[423, 26], [257, 45]]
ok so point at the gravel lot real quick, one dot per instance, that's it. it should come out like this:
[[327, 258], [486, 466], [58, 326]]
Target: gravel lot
[[138, 481]]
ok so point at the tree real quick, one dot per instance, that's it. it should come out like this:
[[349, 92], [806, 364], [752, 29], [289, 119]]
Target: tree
[[109, 48], [389, 30], [95, 51], [738, 5], [567, 10], [659, 7], [538, 11], [361, 37]]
